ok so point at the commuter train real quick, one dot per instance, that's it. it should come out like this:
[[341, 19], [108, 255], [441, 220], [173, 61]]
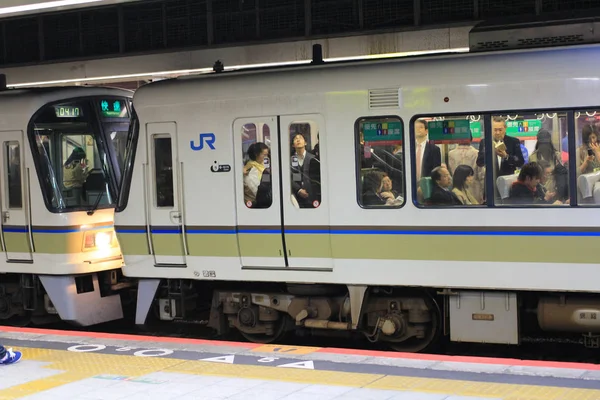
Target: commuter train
[[61, 153], [263, 196]]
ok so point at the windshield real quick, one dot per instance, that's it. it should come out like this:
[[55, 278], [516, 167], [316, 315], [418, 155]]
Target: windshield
[[73, 145]]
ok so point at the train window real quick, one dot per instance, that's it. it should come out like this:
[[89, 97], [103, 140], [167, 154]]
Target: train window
[[305, 166], [257, 166], [163, 167], [446, 162], [13, 171], [528, 165], [380, 162], [587, 156]]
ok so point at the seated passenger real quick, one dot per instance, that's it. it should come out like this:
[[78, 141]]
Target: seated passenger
[[372, 190], [387, 187], [588, 154], [545, 151], [440, 193], [464, 177], [527, 188], [253, 170]]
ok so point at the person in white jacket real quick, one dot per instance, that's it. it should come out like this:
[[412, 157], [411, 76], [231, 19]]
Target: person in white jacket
[[258, 153]]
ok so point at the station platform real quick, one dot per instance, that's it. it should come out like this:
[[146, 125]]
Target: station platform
[[88, 365]]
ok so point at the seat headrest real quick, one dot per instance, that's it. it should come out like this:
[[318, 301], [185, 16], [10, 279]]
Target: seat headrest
[[504, 183], [586, 183]]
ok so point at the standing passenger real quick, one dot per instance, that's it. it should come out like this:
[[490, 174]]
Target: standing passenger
[[428, 156], [306, 176]]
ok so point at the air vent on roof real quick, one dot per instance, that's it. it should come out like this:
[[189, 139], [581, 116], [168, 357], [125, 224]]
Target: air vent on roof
[[522, 34], [383, 98]]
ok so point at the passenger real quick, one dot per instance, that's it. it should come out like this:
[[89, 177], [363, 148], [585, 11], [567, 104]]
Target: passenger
[[466, 154], [253, 170], [545, 151], [463, 179], [372, 190], [387, 187], [588, 153], [527, 188], [524, 151], [8, 356], [316, 150], [507, 149], [306, 175], [75, 172], [440, 193], [547, 192], [264, 194], [427, 155]]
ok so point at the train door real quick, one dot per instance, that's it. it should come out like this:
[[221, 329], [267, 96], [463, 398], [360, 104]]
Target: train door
[[258, 199], [165, 200], [305, 196], [16, 226]]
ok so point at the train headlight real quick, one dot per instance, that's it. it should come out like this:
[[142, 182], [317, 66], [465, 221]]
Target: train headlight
[[103, 240], [98, 240]]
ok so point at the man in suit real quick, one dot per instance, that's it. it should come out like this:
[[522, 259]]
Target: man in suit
[[505, 161], [306, 175], [440, 192], [427, 155]]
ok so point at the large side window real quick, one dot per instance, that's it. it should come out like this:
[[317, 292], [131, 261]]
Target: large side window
[[528, 158], [380, 162], [448, 162], [257, 165], [305, 164], [13, 174], [163, 164]]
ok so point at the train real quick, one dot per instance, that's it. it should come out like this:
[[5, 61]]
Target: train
[[60, 169], [310, 252]]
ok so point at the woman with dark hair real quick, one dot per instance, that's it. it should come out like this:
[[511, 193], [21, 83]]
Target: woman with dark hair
[[588, 153], [464, 176], [253, 170], [545, 151]]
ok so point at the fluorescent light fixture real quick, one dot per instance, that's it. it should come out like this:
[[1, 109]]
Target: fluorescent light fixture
[[586, 79], [196, 71], [478, 85], [42, 6]]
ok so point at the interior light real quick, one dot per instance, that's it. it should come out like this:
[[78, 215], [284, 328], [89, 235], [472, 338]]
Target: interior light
[[42, 6], [196, 71]]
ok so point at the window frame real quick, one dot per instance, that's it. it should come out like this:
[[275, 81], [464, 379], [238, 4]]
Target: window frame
[[358, 156], [487, 121], [155, 138]]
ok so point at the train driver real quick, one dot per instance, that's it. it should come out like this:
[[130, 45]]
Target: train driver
[[75, 173], [306, 176]]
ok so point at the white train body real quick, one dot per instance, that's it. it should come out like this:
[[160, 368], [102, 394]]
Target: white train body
[[481, 256], [60, 252]]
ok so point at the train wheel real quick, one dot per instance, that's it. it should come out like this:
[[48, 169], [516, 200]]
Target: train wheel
[[279, 332], [414, 345]]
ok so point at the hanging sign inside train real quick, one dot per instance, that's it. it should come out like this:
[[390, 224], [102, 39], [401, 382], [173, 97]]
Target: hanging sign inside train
[[382, 131]]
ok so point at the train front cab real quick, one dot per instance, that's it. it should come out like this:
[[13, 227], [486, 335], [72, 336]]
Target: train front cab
[[62, 257]]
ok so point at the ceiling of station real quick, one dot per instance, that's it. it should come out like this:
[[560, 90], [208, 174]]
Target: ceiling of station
[[15, 8]]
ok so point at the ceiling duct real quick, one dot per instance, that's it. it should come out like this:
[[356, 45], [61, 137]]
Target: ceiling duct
[[519, 34]]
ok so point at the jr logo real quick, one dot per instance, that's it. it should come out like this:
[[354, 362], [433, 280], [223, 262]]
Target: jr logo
[[208, 138]]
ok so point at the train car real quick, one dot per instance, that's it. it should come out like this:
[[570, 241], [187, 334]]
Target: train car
[[327, 197], [61, 154]]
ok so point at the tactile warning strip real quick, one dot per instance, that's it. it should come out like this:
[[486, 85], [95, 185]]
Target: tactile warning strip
[[74, 366]]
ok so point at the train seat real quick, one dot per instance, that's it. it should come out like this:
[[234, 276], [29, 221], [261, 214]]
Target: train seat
[[426, 185], [504, 183]]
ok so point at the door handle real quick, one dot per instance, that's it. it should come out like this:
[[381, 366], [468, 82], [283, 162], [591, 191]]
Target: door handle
[[5, 216]]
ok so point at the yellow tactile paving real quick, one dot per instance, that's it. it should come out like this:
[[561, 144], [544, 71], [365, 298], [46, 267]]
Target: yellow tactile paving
[[77, 366], [271, 348]]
